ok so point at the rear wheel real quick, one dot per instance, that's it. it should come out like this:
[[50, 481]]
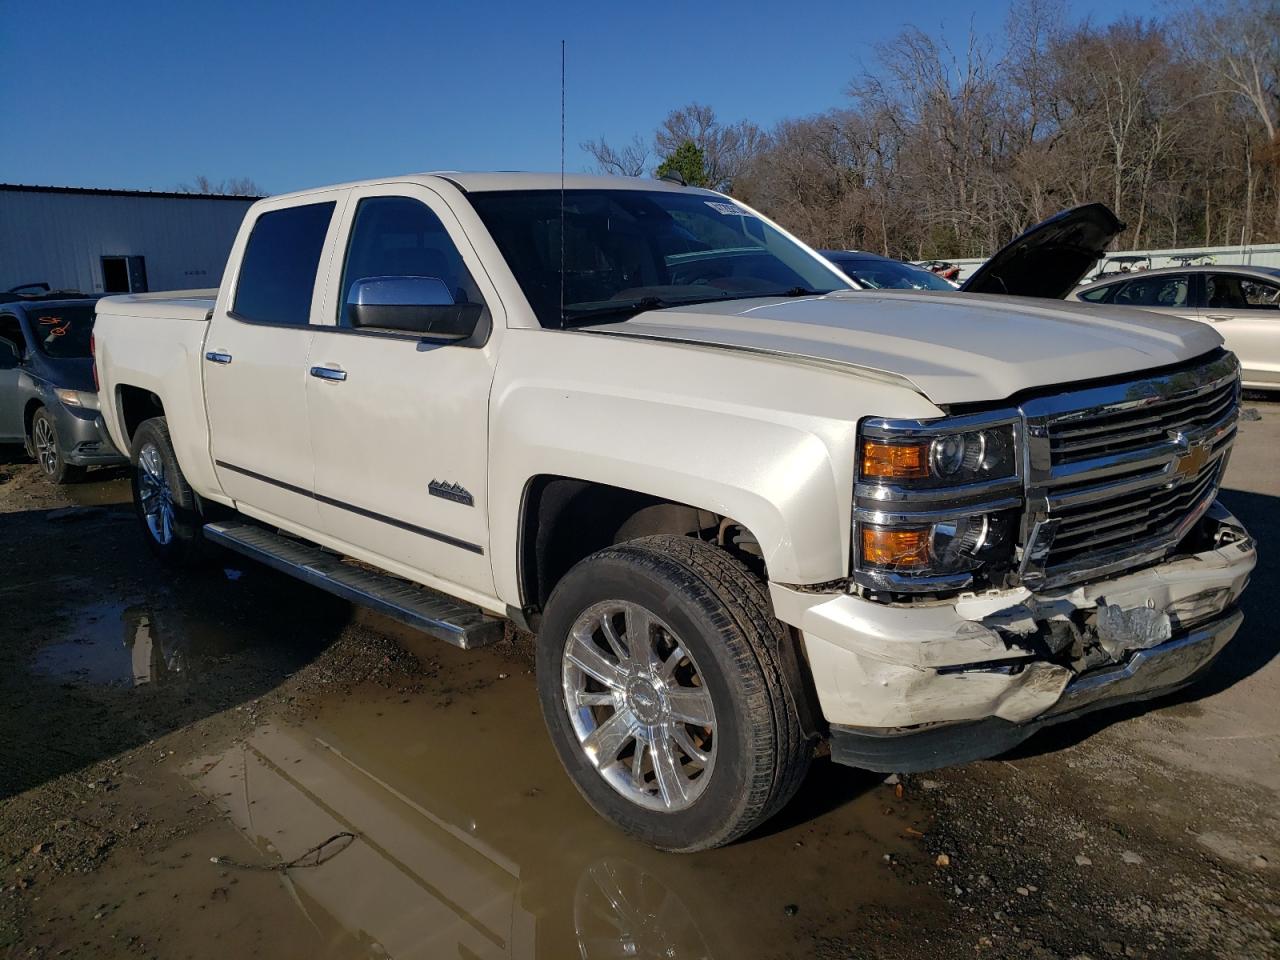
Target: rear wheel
[[660, 683], [167, 507], [48, 453]]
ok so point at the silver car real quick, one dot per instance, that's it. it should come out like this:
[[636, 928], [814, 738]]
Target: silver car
[[1242, 303]]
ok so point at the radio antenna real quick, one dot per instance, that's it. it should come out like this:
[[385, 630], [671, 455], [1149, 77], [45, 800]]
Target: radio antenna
[[562, 184]]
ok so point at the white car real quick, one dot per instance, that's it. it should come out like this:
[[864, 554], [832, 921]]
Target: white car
[[1242, 304], [745, 508]]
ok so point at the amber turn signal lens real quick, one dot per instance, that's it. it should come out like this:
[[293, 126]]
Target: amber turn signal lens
[[895, 461], [896, 548]]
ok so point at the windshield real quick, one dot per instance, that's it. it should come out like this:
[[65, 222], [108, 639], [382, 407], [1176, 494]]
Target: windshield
[[62, 332], [631, 250], [890, 274]]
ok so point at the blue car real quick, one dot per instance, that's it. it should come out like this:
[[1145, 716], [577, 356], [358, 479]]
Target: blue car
[[48, 398]]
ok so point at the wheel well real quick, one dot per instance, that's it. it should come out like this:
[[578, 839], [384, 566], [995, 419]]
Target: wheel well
[[565, 520], [28, 415], [136, 406]]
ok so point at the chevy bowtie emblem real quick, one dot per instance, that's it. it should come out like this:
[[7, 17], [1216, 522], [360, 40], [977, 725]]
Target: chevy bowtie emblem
[[1192, 460]]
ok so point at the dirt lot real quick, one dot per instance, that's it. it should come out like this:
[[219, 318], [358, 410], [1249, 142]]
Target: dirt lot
[[165, 740]]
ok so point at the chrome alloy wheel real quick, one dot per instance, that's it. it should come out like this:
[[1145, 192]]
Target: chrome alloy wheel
[[46, 446], [154, 492], [639, 706]]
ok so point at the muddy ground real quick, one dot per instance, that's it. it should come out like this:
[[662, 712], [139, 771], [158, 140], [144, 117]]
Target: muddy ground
[[165, 740]]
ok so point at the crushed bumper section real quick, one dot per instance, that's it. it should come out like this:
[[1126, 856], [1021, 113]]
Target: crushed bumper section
[[1148, 673], [916, 687], [83, 437]]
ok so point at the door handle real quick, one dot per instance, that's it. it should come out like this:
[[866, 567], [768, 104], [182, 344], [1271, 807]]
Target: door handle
[[1218, 317], [217, 356], [329, 373]]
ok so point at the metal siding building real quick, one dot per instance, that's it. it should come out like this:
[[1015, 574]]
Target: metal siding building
[[115, 241]]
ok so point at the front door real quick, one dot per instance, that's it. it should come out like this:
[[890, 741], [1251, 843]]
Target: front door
[[255, 364], [1246, 311], [11, 426], [399, 421], [1167, 293]]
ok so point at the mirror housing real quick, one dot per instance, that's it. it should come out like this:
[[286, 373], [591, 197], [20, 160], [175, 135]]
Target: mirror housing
[[419, 305], [9, 359]]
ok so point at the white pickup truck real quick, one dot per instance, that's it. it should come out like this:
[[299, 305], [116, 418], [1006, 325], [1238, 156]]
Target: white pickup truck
[[747, 508]]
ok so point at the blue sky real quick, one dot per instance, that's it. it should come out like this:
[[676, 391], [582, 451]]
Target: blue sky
[[145, 95]]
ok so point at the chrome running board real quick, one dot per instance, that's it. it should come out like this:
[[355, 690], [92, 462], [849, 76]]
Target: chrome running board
[[460, 624]]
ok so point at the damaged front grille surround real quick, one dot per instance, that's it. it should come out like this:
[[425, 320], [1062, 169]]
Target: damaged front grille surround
[[1110, 478]]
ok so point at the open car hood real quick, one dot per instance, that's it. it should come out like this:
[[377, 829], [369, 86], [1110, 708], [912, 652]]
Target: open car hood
[[1051, 258]]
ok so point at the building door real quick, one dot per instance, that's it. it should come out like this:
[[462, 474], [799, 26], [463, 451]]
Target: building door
[[124, 275]]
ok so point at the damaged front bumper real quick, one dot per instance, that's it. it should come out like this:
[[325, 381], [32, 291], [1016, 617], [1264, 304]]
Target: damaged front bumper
[[906, 688]]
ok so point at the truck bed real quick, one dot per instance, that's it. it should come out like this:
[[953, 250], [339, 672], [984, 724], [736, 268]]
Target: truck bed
[[170, 304]]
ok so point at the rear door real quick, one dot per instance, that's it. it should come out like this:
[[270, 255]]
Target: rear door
[[255, 362], [1245, 309], [399, 422]]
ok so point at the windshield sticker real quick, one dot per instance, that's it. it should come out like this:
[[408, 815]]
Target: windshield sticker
[[728, 209]]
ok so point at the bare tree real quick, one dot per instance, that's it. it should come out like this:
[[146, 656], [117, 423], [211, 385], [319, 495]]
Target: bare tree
[[951, 146], [631, 160], [234, 187]]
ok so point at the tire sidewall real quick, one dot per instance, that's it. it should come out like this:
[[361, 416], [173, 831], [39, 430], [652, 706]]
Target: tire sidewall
[[720, 805], [61, 469], [184, 546]]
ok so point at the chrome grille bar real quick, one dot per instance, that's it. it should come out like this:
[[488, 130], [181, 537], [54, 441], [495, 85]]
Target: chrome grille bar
[[1117, 475]]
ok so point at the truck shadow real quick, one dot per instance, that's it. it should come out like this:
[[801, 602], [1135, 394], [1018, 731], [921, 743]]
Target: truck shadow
[[103, 649], [1252, 649]]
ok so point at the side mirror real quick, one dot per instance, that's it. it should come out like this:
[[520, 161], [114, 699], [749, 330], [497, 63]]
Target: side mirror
[[9, 358], [421, 305]]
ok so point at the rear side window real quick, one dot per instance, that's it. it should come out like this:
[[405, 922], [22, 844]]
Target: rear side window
[[278, 271], [1164, 290], [1098, 294]]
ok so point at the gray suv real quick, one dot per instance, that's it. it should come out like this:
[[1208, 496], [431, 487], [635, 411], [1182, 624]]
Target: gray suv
[[48, 398]]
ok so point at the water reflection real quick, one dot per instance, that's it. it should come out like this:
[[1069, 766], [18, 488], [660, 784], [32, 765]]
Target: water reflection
[[120, 644], [415, 884], [472, 843]]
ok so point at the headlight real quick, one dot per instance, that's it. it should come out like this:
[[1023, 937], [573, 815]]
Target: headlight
[[937, 503], [78, 398], [945, 459], [951, 546]]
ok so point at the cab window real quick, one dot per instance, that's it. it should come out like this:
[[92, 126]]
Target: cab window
[[1166, 290], [278, 270], [395, 237]]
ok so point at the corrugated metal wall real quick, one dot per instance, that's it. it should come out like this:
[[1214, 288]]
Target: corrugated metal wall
[[60, 238]]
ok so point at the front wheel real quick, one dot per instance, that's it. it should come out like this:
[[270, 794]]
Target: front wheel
[[47, 451], [659, 678], [167, 507]]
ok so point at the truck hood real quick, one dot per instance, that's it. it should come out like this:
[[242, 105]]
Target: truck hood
[[952, 347]]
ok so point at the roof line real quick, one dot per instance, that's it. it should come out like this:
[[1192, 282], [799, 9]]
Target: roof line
[[104, 192]]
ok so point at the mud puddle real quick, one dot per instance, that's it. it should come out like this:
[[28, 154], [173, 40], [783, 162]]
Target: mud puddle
[[103, 488], [129, 644], [471, 842]]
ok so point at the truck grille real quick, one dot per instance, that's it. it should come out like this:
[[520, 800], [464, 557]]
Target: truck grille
[[1119, 474]]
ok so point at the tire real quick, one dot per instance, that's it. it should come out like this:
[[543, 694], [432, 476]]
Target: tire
[[47, 450], [731, 774], [167, 508]]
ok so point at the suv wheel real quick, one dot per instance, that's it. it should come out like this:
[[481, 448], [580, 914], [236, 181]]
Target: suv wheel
[[166, 506], [660, 683], [47, 452]]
